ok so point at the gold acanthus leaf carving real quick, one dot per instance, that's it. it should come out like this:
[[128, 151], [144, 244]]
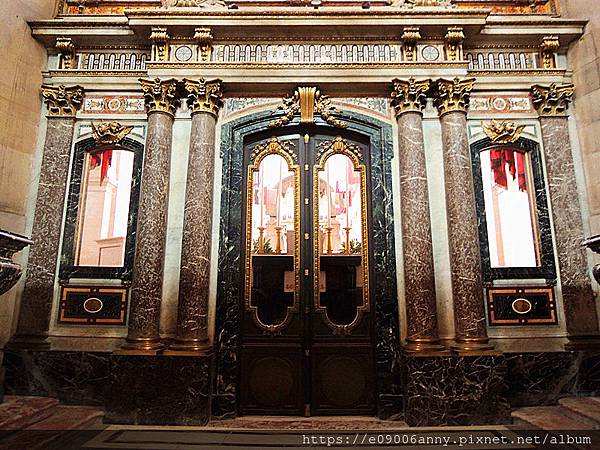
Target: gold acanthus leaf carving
[[62, 101], [338, 145], [503, 132], [552, 100], [453, 95], [273, 146], [110, 132], [160, 95], [204, 96], [410, 95], [307, 101]]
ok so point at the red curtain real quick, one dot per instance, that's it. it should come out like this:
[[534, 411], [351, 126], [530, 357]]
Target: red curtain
[[102, 159], [500, 159]]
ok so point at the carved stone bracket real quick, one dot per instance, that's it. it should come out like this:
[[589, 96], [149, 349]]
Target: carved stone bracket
[[160, 95], [307, 101], [503, 132], [204, 39], [110, 133], [160, 44], [410, 95], [453, 95], [548, 49], [66, 50], [62, 101], [410, 37], [204, 96], [552, 100], [454, 40]]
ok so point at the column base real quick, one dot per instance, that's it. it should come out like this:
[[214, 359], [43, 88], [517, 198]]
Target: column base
[[145, 345], [29, 342], [471, 345], [429, 346], [590, 342], [194, 346]]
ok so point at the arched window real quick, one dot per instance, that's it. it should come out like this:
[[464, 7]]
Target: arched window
[[99, 233], [514, 224]]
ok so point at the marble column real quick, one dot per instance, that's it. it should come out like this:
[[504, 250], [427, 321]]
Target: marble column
[[161, 101], [204, 100], [452, 100], [578, 298], [38, 293], [409, 98]]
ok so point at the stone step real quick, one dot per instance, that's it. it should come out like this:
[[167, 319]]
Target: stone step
[[546, 418], [586, 409], [18, 412], [59, 424]]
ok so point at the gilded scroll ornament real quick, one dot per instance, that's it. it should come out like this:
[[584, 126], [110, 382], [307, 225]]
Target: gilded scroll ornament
[[453, 95], [339, 145], [410, 95], [454, 40], [204, 39], [62, 101], [548, 50], [193, 3], [160, 95], [503, 132], [410, 37], [413, 3], [204, 96], [274, 146], [160, 44], [552, 100], [307, 100], [110, 132], [66, 50]]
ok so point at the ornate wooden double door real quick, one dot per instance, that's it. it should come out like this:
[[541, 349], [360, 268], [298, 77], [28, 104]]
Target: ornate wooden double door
[[307, 329]]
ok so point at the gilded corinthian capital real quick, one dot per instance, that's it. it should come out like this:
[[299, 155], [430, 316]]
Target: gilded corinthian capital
[[160, 95], [552, 100], [410, 95], [204, 96], [62, 101], [453, 95]]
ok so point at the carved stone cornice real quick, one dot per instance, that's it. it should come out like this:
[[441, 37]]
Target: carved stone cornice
[[503, 132], [204, 39], [548, 49], [110, 132], [410, 37], [454, 40], [204, 96], [62, 101], [160, 95], [410, 95], [552, 100], [160, 44], [452, 95], [66, 51]]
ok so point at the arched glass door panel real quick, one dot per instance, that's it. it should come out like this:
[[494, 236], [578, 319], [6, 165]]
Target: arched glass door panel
[[272, 280], [341, 244]]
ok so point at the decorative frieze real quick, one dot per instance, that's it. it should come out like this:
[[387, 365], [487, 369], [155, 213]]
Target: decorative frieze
[[483, 59], [113, 61], [62, 101], [113, 104], [501, 104], [410, 37], [552, 100], [204, 40], [204, 96], [548, 50], [410, 95], [160, 44], [454, 44], [453, 95], [160, 95], [66, 51]]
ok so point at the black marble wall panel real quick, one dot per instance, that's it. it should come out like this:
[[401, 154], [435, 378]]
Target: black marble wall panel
[[456, 390], [384, 294], [152, 390]]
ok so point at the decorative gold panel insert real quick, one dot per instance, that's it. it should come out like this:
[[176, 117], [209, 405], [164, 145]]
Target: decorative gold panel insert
[[272, 285], [341, 273]]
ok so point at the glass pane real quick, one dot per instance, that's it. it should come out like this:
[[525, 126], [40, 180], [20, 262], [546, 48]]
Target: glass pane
[[104, 210], [510, 208], [273, 238], [340, 239]]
